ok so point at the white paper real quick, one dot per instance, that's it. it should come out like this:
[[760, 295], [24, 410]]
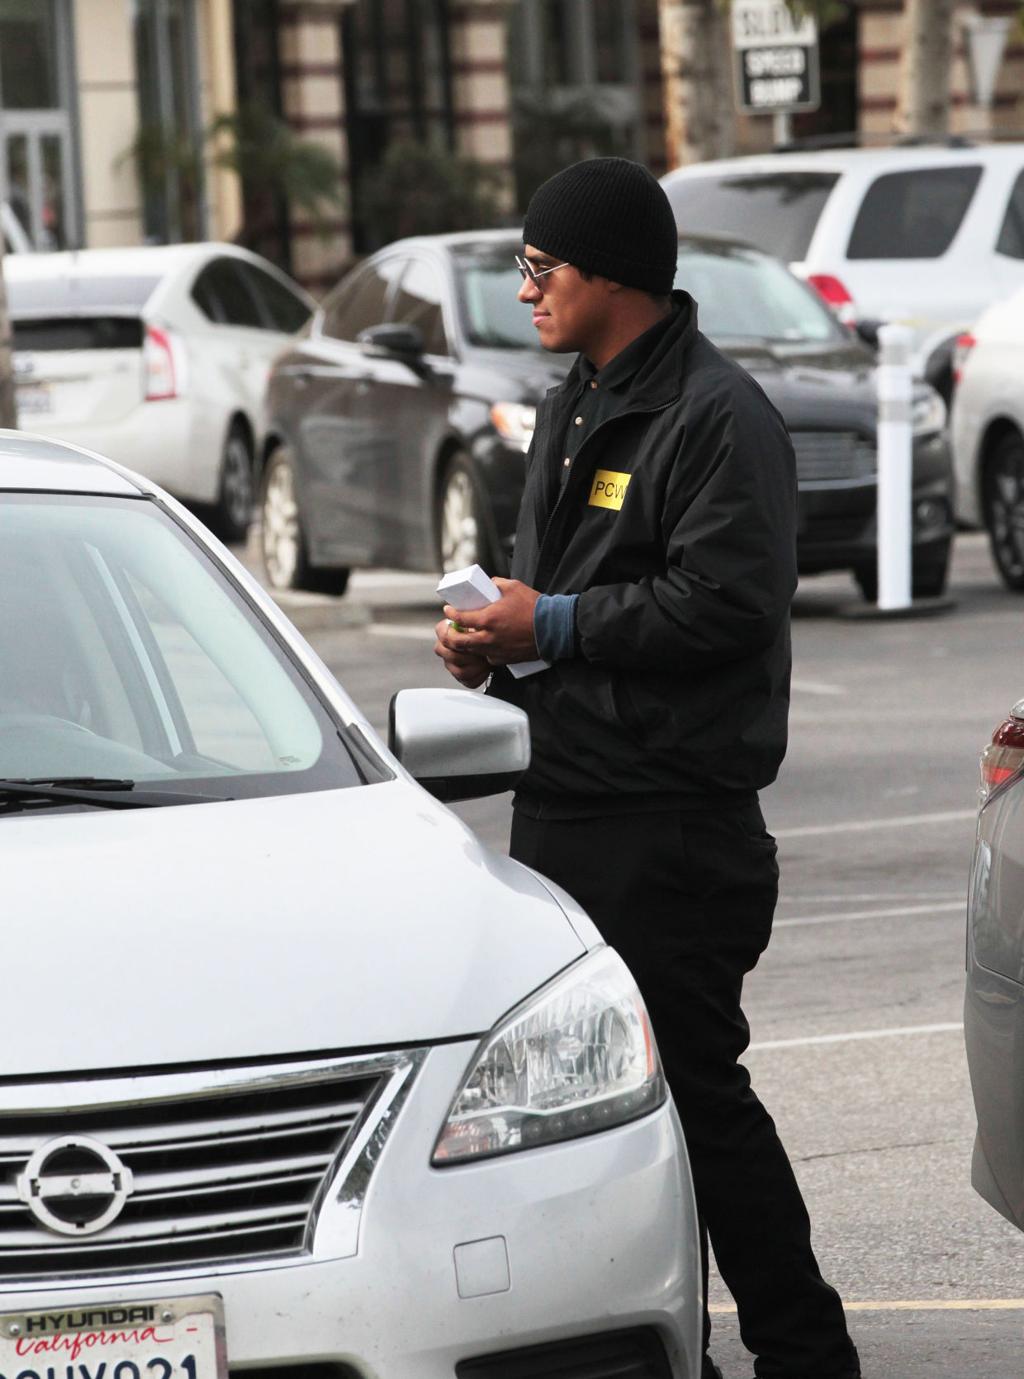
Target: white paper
[[472, 589]]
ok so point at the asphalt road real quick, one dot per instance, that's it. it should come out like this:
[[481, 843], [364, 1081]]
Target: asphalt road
[[856, 1008]]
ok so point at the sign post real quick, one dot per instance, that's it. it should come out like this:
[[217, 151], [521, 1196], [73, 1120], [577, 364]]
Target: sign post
[[777, 67]]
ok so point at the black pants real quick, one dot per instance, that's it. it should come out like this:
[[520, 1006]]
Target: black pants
[[687, 899]]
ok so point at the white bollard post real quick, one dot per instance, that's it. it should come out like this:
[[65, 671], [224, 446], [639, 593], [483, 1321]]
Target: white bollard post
[[895, 443]]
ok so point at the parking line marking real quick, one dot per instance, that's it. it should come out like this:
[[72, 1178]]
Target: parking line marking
[[413, 631], [934, 908], [868, 825], [816, 687], [728, 1309], [854, 1036]]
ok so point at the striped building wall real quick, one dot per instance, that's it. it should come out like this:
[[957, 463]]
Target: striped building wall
[[880, 49], [313, 97], [481, 97]]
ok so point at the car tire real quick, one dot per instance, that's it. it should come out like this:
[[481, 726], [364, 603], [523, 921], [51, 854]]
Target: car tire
[[928, 576], [282, 538], [232, 512], [1003, 508], [460, 519]]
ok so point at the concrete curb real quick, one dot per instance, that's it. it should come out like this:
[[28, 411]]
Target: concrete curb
[[322, 612]]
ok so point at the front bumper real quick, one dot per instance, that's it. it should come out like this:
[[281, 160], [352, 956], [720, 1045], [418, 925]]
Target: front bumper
[[599, 1234], [836, 526]]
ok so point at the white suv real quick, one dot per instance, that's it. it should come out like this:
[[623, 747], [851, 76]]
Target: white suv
[[928, 236]]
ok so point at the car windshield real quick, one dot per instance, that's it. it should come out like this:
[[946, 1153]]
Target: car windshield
[[125, 653], [488, 281], [776, 211], [741, 294]]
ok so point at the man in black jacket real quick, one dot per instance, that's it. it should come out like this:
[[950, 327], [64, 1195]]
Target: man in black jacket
[[654, 567]]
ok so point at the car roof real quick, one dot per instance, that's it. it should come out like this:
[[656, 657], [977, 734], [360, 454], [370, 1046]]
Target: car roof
[[847, 159], [155, 260], [36, 464], [469, 239]]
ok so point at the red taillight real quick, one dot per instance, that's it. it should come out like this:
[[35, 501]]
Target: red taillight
[[158, 364], [964, 344], [834, 294], [1004, 756]]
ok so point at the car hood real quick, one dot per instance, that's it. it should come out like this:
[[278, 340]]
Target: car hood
[[530, 373], [356, 918], [812, 388]]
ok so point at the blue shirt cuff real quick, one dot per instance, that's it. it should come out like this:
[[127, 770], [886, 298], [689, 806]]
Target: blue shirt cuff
[[554, 626]]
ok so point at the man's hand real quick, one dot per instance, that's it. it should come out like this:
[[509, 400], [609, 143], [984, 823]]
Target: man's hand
[[468, 669], [501, 633]]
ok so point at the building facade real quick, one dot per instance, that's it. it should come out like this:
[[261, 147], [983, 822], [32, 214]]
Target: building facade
[[106, 106]]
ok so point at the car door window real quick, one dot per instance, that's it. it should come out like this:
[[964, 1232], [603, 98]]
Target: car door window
[[418, 303], [912, 215], [223, 296], [283, 309], [1011, 233], [360, 300]]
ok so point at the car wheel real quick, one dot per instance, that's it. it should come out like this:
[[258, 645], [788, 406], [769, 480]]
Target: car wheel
[[232, 512], [461, 532], [1003, 499], [927, 577], [285, 559]]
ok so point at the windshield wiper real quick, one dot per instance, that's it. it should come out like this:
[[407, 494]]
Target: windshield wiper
[[103, 792]]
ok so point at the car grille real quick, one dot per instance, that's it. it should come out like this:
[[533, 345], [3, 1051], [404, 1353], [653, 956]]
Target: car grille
[[833, 457], [225, 1166]]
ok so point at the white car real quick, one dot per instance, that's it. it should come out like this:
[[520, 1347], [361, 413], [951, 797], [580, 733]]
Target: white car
[[298, 1078], [987, 433], [157, 357], [927, 236]]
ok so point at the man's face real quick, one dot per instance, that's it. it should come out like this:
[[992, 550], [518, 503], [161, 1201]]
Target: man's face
[[570, 314]]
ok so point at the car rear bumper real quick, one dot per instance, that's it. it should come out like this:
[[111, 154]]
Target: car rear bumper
[[591, 1236], [157, 440]]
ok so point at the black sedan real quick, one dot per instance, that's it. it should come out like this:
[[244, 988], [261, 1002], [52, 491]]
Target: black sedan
[[398, 424]]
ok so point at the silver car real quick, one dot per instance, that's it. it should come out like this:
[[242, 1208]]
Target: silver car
[[298, 1078], [994, 1009]]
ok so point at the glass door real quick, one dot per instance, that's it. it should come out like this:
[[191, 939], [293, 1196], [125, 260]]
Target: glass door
[[37, 174]]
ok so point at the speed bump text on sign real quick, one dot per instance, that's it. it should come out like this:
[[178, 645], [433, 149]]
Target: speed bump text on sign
[[609, 489]]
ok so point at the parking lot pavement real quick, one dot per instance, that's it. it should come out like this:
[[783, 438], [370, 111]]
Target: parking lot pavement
[[856, 1007]]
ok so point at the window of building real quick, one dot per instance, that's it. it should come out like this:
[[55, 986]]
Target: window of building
[[912, 215], [169, 158], [575, 73], [37, 169], [397, 86]]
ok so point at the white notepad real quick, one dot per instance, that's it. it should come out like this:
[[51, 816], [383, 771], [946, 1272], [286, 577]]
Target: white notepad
[[473, 588]]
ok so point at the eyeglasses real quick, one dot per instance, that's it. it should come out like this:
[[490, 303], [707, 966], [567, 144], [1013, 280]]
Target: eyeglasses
[[527, 270]]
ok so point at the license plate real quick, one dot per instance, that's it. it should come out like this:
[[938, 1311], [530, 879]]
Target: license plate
[[33, 398], [176, 1338]]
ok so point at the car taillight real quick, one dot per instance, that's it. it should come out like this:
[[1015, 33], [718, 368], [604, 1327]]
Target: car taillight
[[1004, 755], [834, 294], [961, 349], [159, 364]]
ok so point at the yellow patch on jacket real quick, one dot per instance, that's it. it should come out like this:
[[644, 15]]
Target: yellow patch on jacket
[[609, 489]]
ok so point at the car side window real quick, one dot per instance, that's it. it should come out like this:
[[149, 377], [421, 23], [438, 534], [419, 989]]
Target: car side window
[[223, 296], [359, 301], [283, 309], [1011, 234], [912, 215], [418, 303]]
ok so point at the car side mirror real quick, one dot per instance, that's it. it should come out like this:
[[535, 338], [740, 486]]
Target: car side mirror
[[459, 746], [868, 331], [392, 339]]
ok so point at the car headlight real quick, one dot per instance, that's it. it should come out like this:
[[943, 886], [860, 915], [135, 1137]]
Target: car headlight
[[576, 1057], [514, 421], [928, 414]]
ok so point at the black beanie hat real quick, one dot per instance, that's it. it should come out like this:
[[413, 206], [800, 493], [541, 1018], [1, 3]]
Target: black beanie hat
[[607, 216]]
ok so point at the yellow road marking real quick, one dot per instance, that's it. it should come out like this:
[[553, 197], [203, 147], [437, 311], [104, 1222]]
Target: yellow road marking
[[728, 1309]]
